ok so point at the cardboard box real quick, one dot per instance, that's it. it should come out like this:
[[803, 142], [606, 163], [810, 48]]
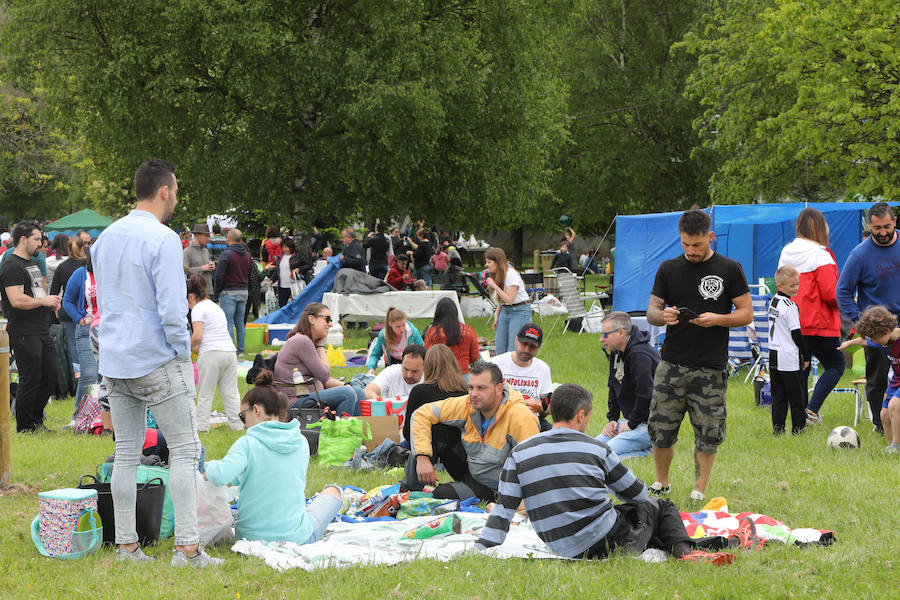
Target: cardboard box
[[382, 428]]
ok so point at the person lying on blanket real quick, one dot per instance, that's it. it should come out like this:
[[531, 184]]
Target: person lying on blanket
[[563, 477], [269, 464], [471, 435]]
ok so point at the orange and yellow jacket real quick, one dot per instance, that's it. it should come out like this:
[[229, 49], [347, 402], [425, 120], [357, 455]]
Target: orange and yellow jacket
[[513, 423]]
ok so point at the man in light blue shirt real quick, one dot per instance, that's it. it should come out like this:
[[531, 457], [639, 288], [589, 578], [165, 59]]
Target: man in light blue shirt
[[145, 357]]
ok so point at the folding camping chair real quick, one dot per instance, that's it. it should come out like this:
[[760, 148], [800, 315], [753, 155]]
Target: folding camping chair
[[534, 285], [749, 346], [482, 291], [569, 295], [860, 405]]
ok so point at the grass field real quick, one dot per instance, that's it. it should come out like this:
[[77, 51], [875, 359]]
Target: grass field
[[794, 479]]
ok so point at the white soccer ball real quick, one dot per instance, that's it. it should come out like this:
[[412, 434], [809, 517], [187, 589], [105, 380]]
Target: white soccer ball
[[843, 437]]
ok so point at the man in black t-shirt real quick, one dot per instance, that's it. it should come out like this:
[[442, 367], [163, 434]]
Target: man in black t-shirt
[[693, 295], [27, 308]]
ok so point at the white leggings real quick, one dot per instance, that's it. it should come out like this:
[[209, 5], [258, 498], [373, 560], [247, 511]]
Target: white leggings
[[218, 368]]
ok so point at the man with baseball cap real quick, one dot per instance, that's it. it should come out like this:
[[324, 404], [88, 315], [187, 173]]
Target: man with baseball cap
[[527, 374], [196, 257]]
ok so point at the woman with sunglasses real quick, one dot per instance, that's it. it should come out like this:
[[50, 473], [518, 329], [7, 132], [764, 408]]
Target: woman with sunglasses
[[304, 350], [269, 465]]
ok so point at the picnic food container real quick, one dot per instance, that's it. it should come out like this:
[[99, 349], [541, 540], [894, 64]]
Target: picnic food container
[[68, 524]]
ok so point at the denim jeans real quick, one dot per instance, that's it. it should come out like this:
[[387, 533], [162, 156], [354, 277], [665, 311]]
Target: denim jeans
[[233, 303], [832, 360], [424, 273], [510, 321], [87, 362], [169, 392], [322, 511], [635, 442], [341, 399]]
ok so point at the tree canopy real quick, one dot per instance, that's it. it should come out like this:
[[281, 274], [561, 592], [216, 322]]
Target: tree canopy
[[631, 130], [799, 94], [309, 110]]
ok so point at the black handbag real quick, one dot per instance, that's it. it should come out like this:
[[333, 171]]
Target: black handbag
[[148, 508]]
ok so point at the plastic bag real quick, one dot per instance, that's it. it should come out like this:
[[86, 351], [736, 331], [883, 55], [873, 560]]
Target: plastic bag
[[340, 439], [214, 518]]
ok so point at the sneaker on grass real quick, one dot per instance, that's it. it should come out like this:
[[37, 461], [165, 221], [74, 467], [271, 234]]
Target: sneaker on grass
[[658, 489], [697, 496], [136, 555], [201, 560]]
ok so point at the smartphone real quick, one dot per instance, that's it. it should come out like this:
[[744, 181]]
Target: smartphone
[[686, 314]]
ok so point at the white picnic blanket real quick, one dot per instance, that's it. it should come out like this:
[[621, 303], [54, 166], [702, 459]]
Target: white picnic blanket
[[383, 543]]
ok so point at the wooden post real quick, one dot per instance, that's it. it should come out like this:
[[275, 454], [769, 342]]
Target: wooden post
[[5, 431]]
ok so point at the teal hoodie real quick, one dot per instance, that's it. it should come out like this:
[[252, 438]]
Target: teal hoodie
[[269, 465]]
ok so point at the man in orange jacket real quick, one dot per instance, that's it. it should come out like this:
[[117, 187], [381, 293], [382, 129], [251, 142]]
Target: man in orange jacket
[[471, 435]]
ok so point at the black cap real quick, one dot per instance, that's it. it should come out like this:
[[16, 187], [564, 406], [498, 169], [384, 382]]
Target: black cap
[[530, 333]]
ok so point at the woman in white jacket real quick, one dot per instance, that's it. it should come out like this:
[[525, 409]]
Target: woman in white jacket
[[820, 321]]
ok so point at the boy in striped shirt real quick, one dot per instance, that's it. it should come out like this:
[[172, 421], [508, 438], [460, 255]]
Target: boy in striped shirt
[[563, 477]]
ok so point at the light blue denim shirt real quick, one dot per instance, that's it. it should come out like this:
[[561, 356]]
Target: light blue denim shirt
[[143, 297]]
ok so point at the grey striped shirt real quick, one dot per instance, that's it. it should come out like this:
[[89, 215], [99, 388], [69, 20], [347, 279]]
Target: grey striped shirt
[[564, 477]]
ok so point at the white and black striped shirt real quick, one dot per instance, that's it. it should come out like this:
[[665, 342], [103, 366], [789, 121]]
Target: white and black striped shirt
[[563, 476]]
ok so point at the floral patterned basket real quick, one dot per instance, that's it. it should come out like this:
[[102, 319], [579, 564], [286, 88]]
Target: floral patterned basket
[[68, 524]]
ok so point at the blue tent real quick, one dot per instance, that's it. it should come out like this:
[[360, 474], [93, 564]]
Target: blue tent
[[321, 283], [752, 234]]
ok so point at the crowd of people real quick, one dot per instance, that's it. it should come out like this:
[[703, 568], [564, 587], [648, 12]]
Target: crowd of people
[[497, 426]]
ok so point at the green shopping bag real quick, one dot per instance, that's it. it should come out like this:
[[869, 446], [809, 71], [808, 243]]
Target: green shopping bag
[[339, 439], [147, 473]]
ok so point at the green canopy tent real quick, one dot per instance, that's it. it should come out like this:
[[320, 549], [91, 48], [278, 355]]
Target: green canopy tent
[[87, 219]]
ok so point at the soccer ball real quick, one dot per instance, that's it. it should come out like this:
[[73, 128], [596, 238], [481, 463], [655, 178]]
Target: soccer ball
[[843, 437]]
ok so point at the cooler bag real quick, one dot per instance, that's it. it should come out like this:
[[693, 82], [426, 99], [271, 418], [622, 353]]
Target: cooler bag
[[68, 524]]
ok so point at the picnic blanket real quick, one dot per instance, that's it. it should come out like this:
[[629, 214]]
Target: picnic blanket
[[383, 543]]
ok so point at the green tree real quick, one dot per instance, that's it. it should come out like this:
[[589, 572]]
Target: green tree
[[799, 97], [310, 110], [631, 130], [40, 169]]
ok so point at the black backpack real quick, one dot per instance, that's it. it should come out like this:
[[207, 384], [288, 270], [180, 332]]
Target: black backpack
[[260, 363]]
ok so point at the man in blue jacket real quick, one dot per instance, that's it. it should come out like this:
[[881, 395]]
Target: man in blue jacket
[[872, 274], [230, 280], [632, 365]]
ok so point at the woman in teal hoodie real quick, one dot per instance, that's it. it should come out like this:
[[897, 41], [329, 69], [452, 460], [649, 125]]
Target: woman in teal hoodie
[[269, 465], [392, 340]]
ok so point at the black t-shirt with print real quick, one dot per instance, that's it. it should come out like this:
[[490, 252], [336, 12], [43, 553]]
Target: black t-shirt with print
[[703, 287], [19, 271]]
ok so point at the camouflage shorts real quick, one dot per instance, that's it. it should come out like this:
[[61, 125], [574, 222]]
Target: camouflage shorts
[[697, 391]]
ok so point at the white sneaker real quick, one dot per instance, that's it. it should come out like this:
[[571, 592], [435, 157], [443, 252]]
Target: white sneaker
[[697, 496], [180, 559], [136, 555], [658, 489]]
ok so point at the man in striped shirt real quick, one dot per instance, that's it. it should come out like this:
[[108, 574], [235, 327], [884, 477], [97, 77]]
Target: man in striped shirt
[[564, 476]]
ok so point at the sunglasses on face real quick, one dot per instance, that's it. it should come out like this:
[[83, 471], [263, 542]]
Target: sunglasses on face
[[606, 334], [241, 415], [326, 317]]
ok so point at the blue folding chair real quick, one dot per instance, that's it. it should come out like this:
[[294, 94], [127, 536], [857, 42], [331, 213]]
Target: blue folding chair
[[749, 346]]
